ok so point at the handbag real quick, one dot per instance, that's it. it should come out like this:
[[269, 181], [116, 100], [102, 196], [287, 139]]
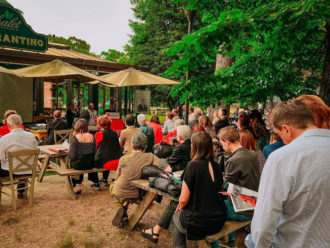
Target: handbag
[[165, 185], [162, 150], [150, 171]]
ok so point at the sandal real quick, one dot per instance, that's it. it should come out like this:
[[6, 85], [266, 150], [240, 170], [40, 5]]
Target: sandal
[[150, 236], [117, 219], [124, 221]]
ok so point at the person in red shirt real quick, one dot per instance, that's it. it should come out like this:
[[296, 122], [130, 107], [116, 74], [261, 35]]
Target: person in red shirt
[[108, 150], [5, 129], [155, 124]]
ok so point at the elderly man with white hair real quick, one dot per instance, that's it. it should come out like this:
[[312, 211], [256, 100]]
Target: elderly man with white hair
[[16, 140], [148, 131], [181, 153]]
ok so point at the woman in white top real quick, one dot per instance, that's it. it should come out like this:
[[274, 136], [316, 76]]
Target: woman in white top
[[168, 124]]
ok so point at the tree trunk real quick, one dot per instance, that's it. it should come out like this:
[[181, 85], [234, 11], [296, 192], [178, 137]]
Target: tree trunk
[[325, 83]]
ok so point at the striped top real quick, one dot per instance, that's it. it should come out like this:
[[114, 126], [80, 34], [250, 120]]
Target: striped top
[[293, 207]]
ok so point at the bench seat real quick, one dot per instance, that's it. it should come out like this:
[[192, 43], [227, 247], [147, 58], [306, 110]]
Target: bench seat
[[228, 227]]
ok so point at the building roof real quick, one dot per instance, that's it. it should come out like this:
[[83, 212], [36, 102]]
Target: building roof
[[64, 53]]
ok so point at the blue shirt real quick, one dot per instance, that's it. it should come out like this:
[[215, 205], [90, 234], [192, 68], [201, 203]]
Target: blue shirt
[[294, 194], [272, 147]]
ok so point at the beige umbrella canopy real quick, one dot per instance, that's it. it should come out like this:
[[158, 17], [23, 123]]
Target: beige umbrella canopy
[[57, 71], [133, 77], [7, 71]]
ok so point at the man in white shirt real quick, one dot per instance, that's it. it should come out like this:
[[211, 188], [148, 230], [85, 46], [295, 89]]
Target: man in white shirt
[[294, 192], [16, 140]]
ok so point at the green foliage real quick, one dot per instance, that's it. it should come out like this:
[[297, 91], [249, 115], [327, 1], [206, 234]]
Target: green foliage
[[74, 43], [278, 48], [115, 56], [159, 25]]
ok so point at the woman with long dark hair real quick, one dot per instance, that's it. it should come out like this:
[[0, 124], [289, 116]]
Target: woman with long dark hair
[[81, 153], [259, 128], [201, 210]]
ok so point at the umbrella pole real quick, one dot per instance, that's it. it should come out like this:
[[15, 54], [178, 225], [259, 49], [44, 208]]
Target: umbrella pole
[[125, 111], [131, 100], [56, 95]]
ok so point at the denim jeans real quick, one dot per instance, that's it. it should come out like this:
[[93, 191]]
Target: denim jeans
[[231, 215], [166, 217], [5, 173], [178, 232]]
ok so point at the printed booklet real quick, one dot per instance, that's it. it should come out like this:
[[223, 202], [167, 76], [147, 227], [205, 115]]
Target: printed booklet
[[243, 199]]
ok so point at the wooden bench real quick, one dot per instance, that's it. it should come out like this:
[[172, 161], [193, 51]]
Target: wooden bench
[[68, 173], [147, 203], [229, 227]]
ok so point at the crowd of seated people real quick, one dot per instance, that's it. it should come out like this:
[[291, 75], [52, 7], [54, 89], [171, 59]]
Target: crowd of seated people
[[251, 155]]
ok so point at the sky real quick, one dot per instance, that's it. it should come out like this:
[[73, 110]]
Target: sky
[[102, 23]]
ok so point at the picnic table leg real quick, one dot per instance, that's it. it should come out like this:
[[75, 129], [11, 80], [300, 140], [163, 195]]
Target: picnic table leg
[[69, 187], [62, 163], [140, 210], [43, 169]]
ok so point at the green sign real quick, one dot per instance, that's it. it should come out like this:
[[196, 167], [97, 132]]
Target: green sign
[[15, 33]]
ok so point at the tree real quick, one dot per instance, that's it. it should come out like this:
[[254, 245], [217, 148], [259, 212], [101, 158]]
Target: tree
[[279, 49], [74, 43], [159, 25], [115, 56]]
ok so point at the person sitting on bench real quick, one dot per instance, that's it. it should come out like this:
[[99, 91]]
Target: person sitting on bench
[[164, 221], [129, 169], [108, 150], [201, 210], [242, 169], [81, 154]]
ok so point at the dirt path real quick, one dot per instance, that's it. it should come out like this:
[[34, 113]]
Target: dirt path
[[55, 218]]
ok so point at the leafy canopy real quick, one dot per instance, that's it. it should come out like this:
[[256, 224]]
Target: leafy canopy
[[278, 47], [159, 25], [115, 56], [74, 43]]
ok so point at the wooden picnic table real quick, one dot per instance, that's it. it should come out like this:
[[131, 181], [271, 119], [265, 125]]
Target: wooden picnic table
[[147, 203], [39, 133], [47, 155], [61, 170]]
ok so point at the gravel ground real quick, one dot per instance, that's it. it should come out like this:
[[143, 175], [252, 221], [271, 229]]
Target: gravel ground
[[57, 221]]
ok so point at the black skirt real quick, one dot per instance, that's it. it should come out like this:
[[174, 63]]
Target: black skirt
[[83, 162]]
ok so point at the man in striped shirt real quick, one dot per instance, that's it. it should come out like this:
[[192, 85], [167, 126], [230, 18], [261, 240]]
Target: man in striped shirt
[[294, 192]]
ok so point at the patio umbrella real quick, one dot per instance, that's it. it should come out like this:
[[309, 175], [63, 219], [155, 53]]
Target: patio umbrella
[[133, 77], [7, 71], [57, 71]]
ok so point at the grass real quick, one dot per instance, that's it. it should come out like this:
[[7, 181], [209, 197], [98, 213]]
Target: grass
[[71, 222], [65, 242], [10, 221], [89, 228], [93, 244], [18, 236]]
